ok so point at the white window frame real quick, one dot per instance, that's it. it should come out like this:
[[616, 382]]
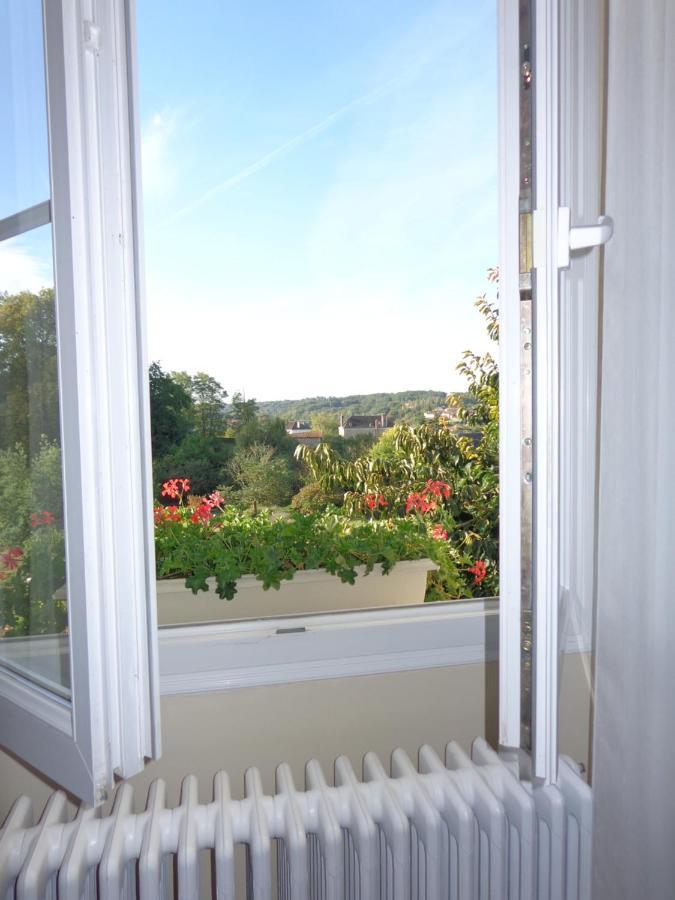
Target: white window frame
[[110, 725], [568, 79]]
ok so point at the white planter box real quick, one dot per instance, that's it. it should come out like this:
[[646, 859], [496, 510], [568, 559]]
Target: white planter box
[[313, 591]]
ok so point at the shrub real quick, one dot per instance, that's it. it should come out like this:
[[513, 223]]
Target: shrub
[[215, 541], [313, 498]]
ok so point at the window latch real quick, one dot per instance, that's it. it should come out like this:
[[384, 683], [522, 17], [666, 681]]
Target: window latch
[[580, 237]]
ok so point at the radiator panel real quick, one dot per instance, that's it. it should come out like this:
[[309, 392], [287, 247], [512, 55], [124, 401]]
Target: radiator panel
[[464, 828]]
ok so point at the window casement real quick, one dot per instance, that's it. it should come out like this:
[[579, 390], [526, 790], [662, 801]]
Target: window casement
[[105, 723], [101, 721], [551, 111]]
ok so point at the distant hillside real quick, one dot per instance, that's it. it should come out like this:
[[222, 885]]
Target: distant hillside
[[402, 406]]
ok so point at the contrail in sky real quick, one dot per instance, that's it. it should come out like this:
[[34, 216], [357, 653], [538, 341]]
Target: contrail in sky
[[264, 161]]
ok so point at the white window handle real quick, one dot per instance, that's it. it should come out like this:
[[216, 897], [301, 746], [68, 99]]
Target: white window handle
[[580, 237]]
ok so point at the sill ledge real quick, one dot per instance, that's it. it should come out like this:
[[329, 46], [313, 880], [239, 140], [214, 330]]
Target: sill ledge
[[221, 657]]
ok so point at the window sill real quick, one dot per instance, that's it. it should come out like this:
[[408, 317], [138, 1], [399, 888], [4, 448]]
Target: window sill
[[220, 657], [227, 656]]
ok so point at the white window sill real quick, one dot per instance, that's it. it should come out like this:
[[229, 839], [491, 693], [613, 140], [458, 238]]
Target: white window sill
[[220, 657], [227, 656]]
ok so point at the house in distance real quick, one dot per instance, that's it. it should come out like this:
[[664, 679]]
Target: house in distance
[[352, 426]]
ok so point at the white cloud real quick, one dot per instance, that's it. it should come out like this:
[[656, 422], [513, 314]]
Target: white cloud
[[22, 271]]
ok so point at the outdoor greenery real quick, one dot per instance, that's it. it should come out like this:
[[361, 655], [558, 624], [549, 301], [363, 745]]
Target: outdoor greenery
[[223, 543], [250, 498], [32, 551], [402, 406]]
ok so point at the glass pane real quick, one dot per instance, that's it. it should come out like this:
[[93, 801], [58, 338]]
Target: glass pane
[[33, 614], [320, 207], [24, 157]]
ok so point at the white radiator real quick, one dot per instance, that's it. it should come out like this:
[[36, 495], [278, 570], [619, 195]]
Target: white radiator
[[463, 829]]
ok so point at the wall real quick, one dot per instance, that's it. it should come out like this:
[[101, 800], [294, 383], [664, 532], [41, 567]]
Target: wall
[[263, 726]]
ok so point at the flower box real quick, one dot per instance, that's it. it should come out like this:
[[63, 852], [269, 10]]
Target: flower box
[[313, 591]]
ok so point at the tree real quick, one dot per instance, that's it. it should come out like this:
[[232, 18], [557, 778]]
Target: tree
[[171, 411], [271, 432], [261, 476], [29, 400], [208, 397], [326, 423], [202, 460], [243, 411]]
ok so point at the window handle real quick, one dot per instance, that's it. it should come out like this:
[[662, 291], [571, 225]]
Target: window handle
[[580, 237]]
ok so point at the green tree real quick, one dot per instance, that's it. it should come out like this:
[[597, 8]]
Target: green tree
[[243, 412], [208, 398], [202, 460], [261, 477], [271, 432], [171, 411], [326, 423], [29, 405]]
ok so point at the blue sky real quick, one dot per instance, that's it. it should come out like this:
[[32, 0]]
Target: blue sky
[[25, 262], [319, 186], [320, 189]]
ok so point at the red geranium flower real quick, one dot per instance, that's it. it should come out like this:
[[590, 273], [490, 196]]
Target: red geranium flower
[[201, 515], [10, 558], [438, 489], [41, 518], [420, 503], [175, 488], [479, 571], [439, 533]]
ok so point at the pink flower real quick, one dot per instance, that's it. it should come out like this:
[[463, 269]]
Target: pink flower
[[439, 533], [214, 500]]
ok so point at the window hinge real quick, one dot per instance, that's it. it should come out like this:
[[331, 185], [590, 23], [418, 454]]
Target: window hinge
[[580, 237]]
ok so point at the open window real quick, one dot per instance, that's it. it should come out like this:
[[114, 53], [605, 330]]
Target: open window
[[78, 671], [79, 661]]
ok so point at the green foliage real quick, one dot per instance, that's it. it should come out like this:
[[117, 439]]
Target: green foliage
[[171, 411], [27, 601], [326, 422], [242, 412], [28, 486], [407, 457], [203, 460], [404, 406], [32, 552], [271, 432], [261, 477], [29, 406], [314, 498], [208, 402], [232, 544]]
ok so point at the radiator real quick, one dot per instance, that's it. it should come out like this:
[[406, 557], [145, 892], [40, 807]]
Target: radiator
[[464, 828]]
